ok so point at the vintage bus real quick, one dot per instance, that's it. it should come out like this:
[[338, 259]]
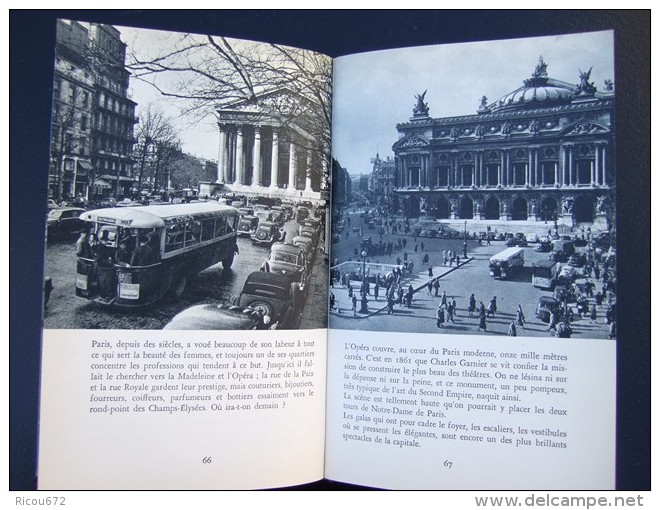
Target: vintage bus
[[545, 273], [136, 256], [506, 262]]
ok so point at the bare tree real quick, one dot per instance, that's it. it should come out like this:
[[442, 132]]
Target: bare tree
[[156, 138], [291, 85]]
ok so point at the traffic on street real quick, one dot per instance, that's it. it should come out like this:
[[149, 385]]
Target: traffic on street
[[98, 281]]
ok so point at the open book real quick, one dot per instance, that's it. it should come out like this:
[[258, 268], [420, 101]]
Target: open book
[[430, 307]]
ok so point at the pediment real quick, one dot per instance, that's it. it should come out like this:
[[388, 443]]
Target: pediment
[[411, 142], [584, 127]]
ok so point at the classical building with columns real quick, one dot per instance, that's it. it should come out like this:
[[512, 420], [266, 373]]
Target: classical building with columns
[[541, 152], [263, 151]]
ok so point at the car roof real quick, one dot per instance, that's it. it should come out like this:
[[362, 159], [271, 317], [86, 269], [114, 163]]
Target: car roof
[[291, 248], [214, 316], [266, 224], [257, 277]]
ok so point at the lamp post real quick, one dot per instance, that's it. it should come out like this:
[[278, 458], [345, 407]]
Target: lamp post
[[465, 239], [364, 260]]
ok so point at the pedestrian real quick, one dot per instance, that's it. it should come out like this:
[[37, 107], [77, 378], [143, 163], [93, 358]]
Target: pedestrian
[[83, 248], [422, 246], [512, 329], [552, 324], [492, 307], [332, 301], [404, 242], [472, 305], [520, 316], [405, 256], [443, 299], [354, 300], [436, 287], [450, 312], [592, 317], [440, 317], [376, 290], [430, 271], [482, 321], [398, 261], [429, 286], [409, 296], [444, 257], [400, 294], [350, 290], [482, 309], [415, 247], [612, 332], [564, 330]]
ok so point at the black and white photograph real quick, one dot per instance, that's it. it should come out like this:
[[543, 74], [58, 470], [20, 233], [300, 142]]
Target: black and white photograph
[[473, 189], [188, 182]]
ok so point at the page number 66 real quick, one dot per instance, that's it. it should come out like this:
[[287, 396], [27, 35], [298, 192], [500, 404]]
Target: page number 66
[[207, 460]]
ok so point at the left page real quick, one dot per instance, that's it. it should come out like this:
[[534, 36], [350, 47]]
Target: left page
[[186, 272]]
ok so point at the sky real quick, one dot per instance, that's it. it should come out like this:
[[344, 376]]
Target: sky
[[372, 92], [375, 91]]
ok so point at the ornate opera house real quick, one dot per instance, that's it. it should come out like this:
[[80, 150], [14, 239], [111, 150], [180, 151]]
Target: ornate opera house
[[543, 152]]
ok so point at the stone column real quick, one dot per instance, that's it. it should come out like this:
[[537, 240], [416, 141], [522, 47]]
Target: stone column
[[604, 179], [222, 147], [274, 160], [293, 166], [530, 168], [591, 172], [556, 173], [240, 171], [500, 171], [257, 174], [564, 164], [229, 157], [474, 169], [598, 149], [537, 169], [308, 171], [570, 165]]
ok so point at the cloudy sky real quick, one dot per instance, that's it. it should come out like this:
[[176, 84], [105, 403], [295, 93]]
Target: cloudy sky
[[375, 91]]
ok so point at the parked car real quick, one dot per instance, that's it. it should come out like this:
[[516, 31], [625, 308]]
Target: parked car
[[64, 221], [562, 250], [533, 238], [247, 225], [246, 211], [52, 204], [310, 232], [278, 296], [267, 233], [543, 246], [577, 260], [288, 259], [219, 316], [545, 306], [306, 244]]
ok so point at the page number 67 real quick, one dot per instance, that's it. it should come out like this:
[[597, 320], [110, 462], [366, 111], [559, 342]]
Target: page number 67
[[448, 464]]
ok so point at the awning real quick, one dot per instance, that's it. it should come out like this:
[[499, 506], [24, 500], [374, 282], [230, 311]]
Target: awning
[[84, 165], [103, 184]]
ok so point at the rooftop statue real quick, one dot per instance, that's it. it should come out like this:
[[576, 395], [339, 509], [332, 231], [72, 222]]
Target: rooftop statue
[[585, 88], [421, 108]]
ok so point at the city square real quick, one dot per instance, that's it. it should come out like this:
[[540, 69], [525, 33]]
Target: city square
[[458, 282]]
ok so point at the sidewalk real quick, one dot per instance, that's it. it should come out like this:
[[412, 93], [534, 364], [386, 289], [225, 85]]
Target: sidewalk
[[315, 311], [419, 281]]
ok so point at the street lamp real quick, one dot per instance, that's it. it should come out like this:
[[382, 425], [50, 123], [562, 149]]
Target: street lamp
[[465, 239], [364, 260]]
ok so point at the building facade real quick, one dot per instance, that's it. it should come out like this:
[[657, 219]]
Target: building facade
[[92, 117], [263, 151], [543, 152], [381, 181]]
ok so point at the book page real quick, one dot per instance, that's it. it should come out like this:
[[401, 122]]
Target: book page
[[184, 342], [473, 278]]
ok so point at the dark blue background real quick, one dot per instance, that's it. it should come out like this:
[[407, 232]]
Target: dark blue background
[[336, 33]]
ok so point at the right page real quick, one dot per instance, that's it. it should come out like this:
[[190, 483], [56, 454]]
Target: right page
[[472, 340]]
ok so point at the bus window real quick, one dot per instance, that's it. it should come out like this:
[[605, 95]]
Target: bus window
[[193, 231], [174, 239], [220, 226], [208, 229], [231, 223]]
